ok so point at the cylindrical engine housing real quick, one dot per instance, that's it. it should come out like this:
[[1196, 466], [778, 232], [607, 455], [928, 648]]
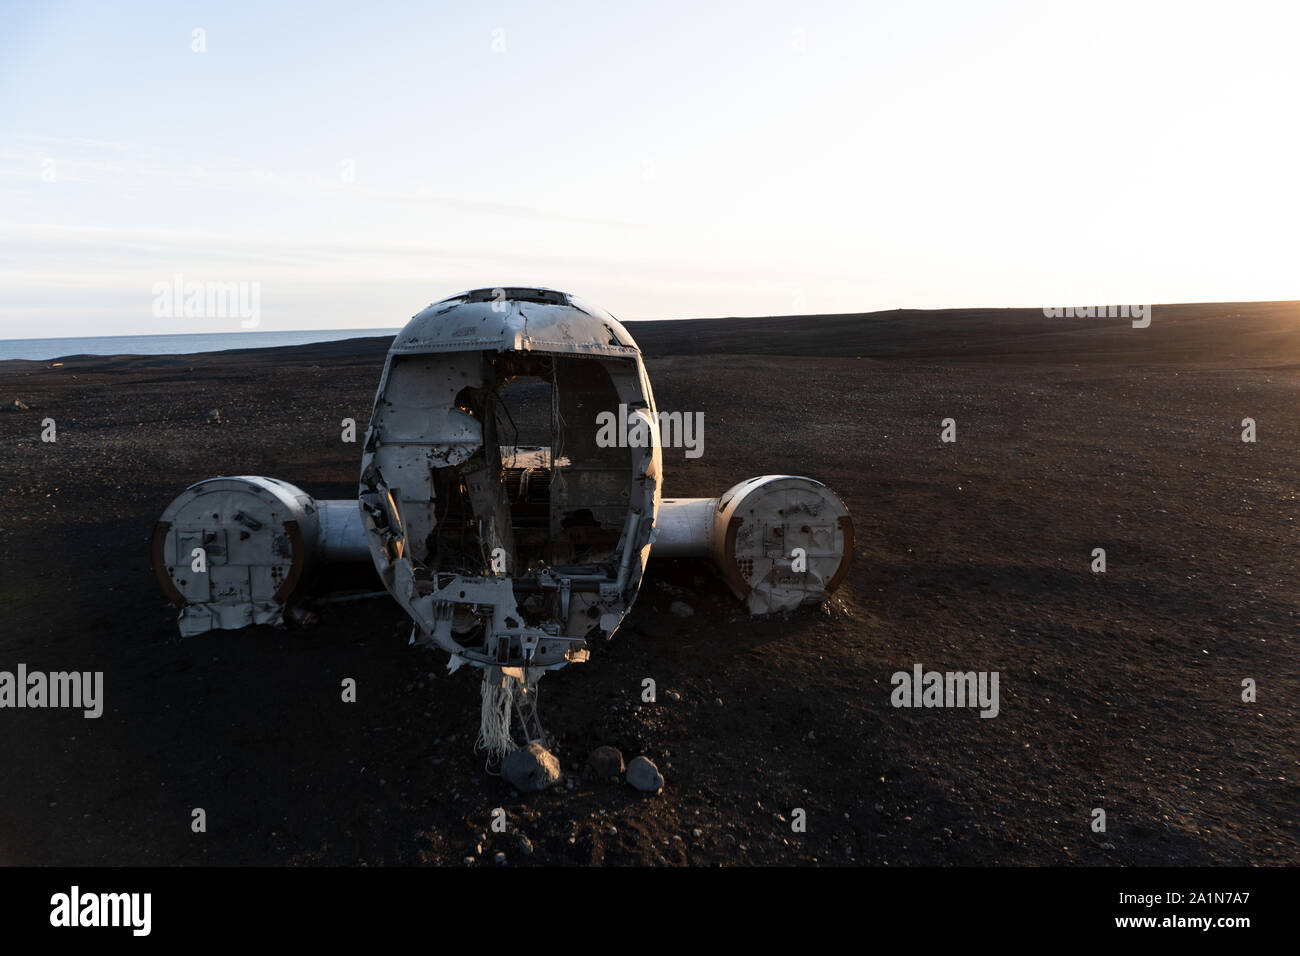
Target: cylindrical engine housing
[[781, 541], [236, 551]]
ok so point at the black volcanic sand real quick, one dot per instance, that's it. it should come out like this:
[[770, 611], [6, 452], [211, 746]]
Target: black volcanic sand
[[1119, 690]]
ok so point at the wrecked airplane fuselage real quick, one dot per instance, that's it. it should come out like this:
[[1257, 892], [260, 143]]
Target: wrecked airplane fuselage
[[495, 517], [501, 506]]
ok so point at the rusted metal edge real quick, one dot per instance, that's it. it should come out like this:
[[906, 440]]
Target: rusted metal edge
[[285, 592], [735, 580], [158, 549]]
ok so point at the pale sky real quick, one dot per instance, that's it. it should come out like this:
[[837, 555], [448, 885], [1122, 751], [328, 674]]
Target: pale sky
[[358, 161]]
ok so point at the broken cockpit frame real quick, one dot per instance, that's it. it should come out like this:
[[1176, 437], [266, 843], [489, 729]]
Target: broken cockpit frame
[[494, 516]]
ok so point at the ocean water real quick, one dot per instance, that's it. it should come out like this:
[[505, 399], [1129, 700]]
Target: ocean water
[[182, 344]]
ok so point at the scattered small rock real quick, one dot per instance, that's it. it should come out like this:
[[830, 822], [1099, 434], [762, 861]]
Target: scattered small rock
[[605, 762], [499, 858], [672, 695], [214, 416], [17, 405], [644, 775], [531, 768], [525, 845], [680, 609]]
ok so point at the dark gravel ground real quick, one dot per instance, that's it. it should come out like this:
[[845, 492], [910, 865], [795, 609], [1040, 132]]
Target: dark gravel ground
[[1119, 691]]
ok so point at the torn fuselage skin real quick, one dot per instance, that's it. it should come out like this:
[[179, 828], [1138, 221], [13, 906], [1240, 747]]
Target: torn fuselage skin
[[493, 515]]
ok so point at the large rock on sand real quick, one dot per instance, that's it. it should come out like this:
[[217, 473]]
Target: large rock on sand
[[531, 768], [605, 762], [644, 775]]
